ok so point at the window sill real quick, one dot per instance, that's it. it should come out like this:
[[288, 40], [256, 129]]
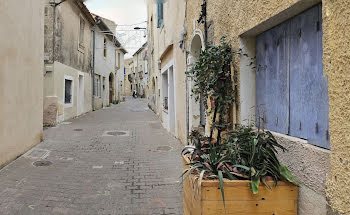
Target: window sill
[[68, 105]]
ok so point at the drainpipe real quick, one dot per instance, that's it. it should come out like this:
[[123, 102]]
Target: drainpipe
[[93, 67], [205, 24], [187, 104], [93, 61]]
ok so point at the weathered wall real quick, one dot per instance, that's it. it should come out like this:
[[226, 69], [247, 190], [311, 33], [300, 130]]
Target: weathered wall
[[68, 59], [66, 112], [241, 21], [21, 76], [67, 30], [336, 15]]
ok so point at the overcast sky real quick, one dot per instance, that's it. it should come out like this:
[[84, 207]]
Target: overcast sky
[[123, 12]]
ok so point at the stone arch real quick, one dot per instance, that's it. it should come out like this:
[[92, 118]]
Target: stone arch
[[197, 43], [197, 118]]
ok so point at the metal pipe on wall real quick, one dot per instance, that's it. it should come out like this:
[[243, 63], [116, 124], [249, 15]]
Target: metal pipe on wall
[[93, 65]]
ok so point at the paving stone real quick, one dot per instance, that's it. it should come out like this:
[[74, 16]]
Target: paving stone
[[132, 176]]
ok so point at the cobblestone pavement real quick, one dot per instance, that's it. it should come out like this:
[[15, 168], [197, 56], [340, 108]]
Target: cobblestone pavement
[[119, 160]]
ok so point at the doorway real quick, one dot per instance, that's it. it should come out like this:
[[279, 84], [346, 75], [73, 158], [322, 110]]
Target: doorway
[[80, 95], [111, 88]]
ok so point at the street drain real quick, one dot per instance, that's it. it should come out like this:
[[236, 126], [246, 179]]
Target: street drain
[[42, 163], [37, 153], [78, 129], [116, 133], [164, 148]]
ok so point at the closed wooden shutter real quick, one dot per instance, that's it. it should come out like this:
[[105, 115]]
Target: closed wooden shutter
[[272, 79], [292, 92]]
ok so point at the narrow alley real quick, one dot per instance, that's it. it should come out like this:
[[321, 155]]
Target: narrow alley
[[104, 162], [169, 107]]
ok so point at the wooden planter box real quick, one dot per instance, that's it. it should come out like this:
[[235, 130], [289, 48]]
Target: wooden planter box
[[239, 200]]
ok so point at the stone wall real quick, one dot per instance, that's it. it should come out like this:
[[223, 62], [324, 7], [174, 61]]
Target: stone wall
[[21, 77]]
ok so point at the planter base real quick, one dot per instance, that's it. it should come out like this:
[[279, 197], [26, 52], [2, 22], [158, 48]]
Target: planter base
[[239, 200]]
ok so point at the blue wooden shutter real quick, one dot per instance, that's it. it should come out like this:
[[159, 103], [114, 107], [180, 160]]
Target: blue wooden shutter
[[309, 108], [272, 79], [159, 14], [292, 93]]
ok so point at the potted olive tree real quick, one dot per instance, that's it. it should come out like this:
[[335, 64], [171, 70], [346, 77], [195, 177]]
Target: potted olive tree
[[235, 170]]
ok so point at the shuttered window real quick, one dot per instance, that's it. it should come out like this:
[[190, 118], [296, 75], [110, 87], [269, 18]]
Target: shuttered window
[[160, 14], [292, 92]]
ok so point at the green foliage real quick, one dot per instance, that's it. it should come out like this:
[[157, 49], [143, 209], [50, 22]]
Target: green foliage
[[244, 153], [255, 153], [212, 79]]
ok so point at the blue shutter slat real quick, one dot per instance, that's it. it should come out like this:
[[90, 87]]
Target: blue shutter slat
[[278, 80], [309, 90], [272, 80], [158, 15]]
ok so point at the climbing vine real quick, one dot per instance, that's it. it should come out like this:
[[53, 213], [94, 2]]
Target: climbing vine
[[213, 80]]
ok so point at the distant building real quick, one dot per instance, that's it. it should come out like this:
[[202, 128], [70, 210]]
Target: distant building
[[141, 71], [108, 65], [21, 77], [129, 78]]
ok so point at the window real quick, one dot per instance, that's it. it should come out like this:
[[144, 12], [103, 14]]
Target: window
[[81, 33], [292, 93], [103, 83], [160, 14], [117, 56], [119, 60], [165, 87], [68, 91], [104, 47], [97, 87]]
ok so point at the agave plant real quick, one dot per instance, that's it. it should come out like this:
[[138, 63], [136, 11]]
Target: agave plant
[[215, 163], [254, 155], [246, 154]]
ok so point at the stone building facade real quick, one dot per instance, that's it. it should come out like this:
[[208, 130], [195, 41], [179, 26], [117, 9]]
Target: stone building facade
[[141, 71], [21, 77], [68, 61], [109, 65], [319, 161], [129, 78]]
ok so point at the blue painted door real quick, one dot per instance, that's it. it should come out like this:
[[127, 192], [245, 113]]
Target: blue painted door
[[292, 92]]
